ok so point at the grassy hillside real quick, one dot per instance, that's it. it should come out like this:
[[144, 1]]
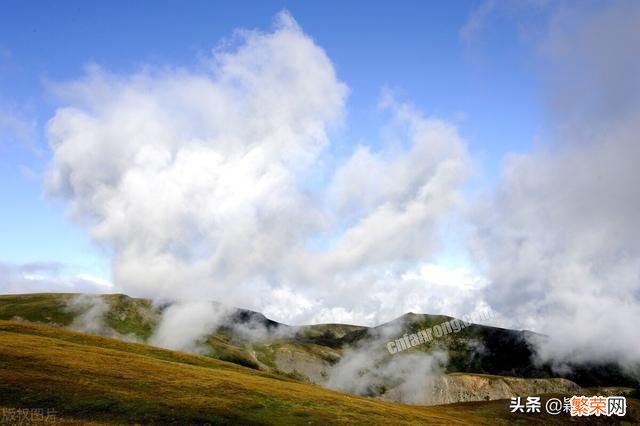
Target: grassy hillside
[[484, 349], [104, 380], [308, 353], [45, 307], [125, 315]]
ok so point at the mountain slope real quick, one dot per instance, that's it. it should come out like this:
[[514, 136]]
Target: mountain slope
[[310, 353], [85, 377]]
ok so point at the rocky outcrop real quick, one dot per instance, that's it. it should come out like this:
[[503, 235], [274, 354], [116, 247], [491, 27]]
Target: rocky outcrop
[[461, 387], [308, 363]]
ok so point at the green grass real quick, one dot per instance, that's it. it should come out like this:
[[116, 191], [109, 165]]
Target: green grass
[[126, 315], [131, 316], [40, 307], [90, 378]]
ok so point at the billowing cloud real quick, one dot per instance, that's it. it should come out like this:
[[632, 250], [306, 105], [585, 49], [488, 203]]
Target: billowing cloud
[[560, 237], [183, 325], [197, 181], [193, 179]]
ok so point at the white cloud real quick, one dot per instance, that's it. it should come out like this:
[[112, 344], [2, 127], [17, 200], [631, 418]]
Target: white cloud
[[193, 178], [197, 181], [183, 325], [560, 238], [47, 277]]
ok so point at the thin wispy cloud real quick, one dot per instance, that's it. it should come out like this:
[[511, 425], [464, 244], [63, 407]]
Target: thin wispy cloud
[[38, 277]]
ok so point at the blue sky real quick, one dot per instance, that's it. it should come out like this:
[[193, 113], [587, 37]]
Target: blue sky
[[486, 85]]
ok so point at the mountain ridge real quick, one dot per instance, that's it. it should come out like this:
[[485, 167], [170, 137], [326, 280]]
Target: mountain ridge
[[314, 353], [90, 379]]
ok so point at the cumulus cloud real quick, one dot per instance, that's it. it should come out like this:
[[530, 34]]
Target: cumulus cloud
[[193, 179], [560, 237], [398, 196], [197, 180]]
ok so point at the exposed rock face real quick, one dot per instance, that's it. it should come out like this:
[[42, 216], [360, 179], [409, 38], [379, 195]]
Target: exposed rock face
[[293, 360], [461, 387]]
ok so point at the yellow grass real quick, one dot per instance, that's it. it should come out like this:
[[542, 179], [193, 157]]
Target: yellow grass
[[92, 378]]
